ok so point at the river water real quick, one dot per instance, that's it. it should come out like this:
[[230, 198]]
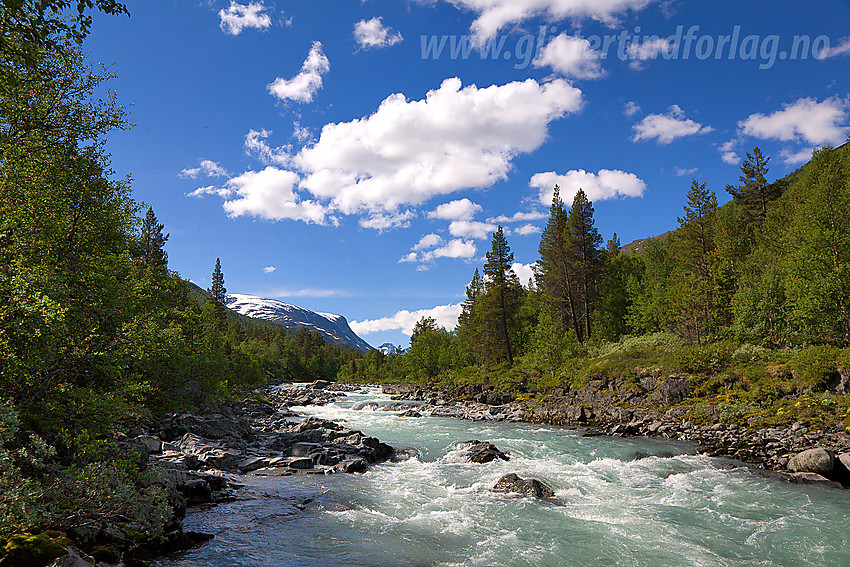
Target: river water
[[629, 502]]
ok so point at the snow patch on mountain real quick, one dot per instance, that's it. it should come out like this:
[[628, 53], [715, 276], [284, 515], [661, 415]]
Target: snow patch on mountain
[[334, 328]]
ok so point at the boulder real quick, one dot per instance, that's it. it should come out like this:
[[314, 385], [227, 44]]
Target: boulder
[[210, 454], [817, 460], [673, 390], [481, 452], [512, 483], [74, 558], [149, 442], [212, 426], [301, 463]]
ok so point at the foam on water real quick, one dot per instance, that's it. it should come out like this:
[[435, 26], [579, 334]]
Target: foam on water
[[618, 502]]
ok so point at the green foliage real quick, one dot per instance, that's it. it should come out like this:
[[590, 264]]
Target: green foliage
[[25, 550], [815, 365], [20, 467], [217, 289], [706, 359]]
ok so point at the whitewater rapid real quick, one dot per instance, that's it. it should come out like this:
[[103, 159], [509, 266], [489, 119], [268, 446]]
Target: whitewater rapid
[[629, 502]]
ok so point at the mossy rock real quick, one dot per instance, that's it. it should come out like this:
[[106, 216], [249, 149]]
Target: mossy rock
[[107, 554], [27, 550]]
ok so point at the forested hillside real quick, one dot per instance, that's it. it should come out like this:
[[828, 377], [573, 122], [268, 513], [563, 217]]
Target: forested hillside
[[96, 333], [750, 299]]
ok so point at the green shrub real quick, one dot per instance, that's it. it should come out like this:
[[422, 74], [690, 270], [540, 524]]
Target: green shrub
[[814, 365], [706, 359], [25, 550]]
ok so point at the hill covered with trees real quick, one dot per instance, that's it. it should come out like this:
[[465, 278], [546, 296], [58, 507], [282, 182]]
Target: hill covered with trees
[[750, 300]]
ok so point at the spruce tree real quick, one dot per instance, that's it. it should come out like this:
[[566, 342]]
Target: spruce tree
[[217, 289], [697, 256], [586, 255], [754, 192], [474, 291], [553, 271], [502, 298], [152, 241]]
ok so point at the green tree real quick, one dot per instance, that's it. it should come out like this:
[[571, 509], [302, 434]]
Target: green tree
[[217, 289], [818, 243], [585, 256], [422, 325], [554, 272], [28, 28], [153, 241], [502, 297], [753, 191], [551, 345], [430, 350], [696, 250]]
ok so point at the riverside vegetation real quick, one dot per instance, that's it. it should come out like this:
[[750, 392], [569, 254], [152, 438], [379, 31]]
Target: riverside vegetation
[[747, 305]]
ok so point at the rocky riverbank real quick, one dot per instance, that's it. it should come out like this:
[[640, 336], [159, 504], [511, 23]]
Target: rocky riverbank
[[794, 453], [202, 458]]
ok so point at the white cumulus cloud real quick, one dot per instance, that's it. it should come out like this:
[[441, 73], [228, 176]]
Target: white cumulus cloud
[[207, 168], [524, 272], [237, 17], [461, 209], [373, 33], [607, 184], [631, 108], [410, 151], [257, 146], [571, 57], [269, 269], [430, 248], [387, 221], [428, 241], [472, 229], [404, 320], [667, 127], [493, 15], [519, 217], [797, 157], [805, 120], [270, 194], [527, 230], [403, 155], [304, 86], [843, 48], [639, 53]]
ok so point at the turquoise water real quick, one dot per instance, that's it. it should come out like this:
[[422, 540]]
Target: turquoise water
[[619, 502]]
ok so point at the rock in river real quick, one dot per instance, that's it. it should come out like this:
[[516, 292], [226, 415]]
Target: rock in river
[[529, 487], [481, 452]]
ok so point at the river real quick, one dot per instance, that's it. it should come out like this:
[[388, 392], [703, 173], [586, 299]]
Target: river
[[629, 502]]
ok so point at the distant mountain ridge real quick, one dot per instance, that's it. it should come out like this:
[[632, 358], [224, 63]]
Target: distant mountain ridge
[[333, 328]]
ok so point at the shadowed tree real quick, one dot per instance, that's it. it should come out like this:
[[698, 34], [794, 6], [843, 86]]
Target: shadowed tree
[[553, 271], [585, 255], [153, 240], [502, 298], [217, 289]]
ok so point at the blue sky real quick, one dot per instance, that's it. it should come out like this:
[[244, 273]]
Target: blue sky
[[334, 157]]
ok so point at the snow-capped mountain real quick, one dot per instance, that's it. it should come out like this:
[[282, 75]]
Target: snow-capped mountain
[[389, 348], [334, 328]]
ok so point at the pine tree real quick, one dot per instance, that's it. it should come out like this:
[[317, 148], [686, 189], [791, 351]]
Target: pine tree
[[586, 255], [502, 298], [217, 289], [754, 191], [553, 271], [474, 291], [697, 258], [153, 240]]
